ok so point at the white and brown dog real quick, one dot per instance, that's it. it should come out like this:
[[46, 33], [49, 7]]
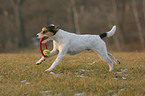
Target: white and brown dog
[[65, 42]]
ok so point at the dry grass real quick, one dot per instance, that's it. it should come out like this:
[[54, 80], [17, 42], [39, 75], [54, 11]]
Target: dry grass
[[84, 74]]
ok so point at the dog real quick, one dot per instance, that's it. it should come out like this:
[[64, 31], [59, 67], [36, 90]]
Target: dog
[[71, 43]]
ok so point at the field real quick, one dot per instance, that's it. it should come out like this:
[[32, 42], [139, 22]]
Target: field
[[84, 74]]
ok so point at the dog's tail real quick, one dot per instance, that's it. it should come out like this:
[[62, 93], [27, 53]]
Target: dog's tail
[[108, 34]]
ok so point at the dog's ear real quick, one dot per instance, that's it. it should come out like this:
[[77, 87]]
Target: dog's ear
[[57, 27]]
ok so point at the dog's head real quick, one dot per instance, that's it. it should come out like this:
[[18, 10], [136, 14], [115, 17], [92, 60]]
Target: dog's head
[[48, 31]]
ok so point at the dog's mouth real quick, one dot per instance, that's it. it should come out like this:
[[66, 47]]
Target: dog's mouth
[[44, 38]]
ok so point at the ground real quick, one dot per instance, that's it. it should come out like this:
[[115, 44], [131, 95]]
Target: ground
[[84, 74]]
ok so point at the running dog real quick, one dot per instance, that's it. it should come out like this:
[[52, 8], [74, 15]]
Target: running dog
[[70, 43]]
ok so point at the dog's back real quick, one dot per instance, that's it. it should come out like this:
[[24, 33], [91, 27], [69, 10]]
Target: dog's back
[[78, 43]]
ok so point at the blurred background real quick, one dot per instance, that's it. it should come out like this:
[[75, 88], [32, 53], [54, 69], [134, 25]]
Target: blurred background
[[21, 20]]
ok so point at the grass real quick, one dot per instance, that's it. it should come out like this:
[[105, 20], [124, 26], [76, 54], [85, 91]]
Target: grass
[[84, 74]]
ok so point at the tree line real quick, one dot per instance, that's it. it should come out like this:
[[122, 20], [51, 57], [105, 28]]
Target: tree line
[[21, 20]]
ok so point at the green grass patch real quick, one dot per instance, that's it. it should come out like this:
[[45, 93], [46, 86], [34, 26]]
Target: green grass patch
[[84, 74]]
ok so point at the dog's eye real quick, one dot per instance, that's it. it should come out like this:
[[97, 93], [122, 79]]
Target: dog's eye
[[44, 32]]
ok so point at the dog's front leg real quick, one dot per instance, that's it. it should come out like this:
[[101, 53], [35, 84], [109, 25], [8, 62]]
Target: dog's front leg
[[58, 59], [40, 61], [52, 53]]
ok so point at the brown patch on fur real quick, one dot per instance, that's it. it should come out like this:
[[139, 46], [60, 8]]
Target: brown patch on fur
[[57, 28], [46, 32], [44, 29]]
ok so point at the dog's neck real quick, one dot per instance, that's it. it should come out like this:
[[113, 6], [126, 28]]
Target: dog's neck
[[61, 34], [58, 35]]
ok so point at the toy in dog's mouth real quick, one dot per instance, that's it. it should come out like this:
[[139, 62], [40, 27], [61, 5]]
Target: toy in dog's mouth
[[44, 39]]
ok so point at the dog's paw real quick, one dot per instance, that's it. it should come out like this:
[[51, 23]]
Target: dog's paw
[[118, 62], [111, 68], [38, 63]]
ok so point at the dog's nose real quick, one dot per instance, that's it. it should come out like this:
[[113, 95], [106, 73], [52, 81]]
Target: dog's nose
[[37, 35]]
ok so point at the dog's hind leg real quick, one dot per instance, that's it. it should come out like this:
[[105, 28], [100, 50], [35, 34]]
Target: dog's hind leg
[[110, 55], [107, 59], [102, 52]]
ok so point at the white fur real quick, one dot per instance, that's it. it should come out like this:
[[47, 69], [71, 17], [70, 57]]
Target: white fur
[[112, 31], [65, 42]]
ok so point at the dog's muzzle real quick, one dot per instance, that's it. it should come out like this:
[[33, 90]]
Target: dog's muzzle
[[39, 36]]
